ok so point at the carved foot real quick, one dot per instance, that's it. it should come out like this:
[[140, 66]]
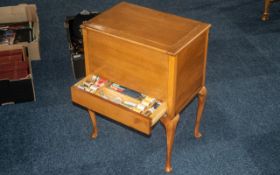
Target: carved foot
[[198, 135], [201, 103], [170, 128], [168, 169], [94, 125], [265, 17]]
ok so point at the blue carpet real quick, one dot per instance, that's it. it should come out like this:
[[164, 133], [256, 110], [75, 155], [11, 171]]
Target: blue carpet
[[241, 119]]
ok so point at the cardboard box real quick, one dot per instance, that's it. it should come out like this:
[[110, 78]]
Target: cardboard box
[[18, 88], [24, 13]]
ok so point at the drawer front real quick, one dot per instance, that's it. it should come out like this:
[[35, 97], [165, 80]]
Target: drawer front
[[111, 110], [129, 64]]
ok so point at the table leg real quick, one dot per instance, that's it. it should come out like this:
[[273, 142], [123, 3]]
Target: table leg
[[94, 125], [265, 15], [201, 102], [170, 128]]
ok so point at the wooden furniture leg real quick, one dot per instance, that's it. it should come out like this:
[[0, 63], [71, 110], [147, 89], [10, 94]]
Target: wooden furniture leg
[[170, 128], [93, 120], [265, 15], [201, 102]]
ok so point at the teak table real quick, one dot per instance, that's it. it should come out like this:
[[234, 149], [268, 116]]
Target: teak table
[[158, 54]]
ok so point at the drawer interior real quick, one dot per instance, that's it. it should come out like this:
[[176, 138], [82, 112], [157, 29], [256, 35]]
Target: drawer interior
[[122, 97]]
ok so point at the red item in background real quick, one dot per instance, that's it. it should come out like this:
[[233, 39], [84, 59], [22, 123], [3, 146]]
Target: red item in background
[[12, 65], [11, 58], [10, 52], [14, 75]]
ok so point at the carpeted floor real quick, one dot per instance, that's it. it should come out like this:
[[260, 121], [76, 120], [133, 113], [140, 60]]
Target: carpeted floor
[[240, 123]]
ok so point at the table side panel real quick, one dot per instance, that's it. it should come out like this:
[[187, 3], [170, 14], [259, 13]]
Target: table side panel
[[129, 64], [190, 70]]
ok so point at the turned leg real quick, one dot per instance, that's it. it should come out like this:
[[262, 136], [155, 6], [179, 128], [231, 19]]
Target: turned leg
[[93, 120], [201, 102], [170, 128], [265, 15]]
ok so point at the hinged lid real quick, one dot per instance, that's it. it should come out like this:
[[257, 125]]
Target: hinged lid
[[151, 28]]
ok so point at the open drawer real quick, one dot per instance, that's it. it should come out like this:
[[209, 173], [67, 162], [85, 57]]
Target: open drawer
[[118, 103]]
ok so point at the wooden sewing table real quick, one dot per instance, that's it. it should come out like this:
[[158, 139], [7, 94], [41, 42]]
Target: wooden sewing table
[[157, 54]]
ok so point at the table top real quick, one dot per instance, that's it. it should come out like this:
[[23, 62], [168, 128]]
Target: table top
[[161, 31]]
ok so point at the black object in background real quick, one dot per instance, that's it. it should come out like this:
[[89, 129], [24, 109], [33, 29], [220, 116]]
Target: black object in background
[[22, 90], [74, 36], [78, 65], [16, 91], [5, 91]]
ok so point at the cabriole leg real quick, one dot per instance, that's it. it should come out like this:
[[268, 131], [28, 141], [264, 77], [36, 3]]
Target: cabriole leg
[[93, 120], [170, 128], [201, 102], [265, 15]]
